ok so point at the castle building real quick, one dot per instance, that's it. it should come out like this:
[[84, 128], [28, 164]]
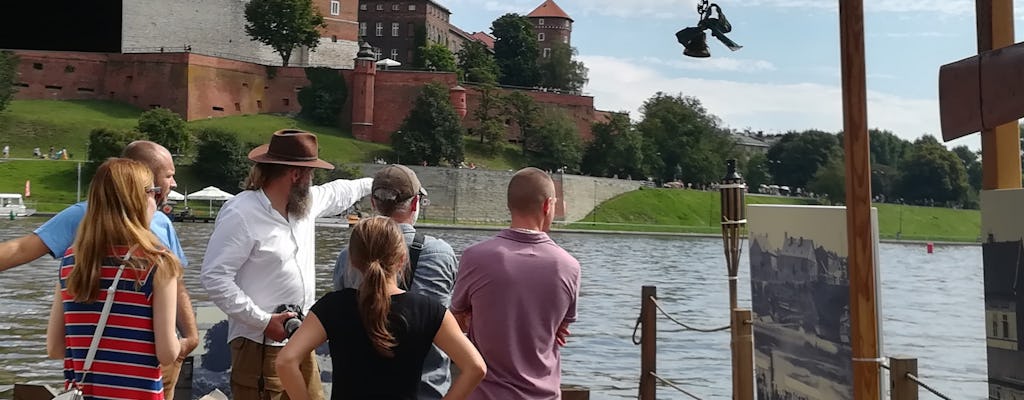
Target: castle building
[[552, 25]]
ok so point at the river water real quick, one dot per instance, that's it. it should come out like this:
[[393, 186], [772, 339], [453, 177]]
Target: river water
[[932, 309]]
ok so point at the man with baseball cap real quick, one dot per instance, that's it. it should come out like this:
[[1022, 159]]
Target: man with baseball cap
[[432, 267], [259, 263]]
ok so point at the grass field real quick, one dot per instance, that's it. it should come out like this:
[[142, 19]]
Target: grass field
[[690, 211]]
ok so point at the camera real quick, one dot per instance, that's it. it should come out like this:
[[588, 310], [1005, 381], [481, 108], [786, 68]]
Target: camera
[[291, 324]]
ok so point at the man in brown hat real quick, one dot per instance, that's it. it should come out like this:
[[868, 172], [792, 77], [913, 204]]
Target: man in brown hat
[[259, 263]]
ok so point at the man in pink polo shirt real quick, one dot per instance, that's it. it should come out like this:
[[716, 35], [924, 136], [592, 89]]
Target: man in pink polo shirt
[[515, 295]]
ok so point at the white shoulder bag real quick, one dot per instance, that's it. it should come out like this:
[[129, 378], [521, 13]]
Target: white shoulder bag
[[74, 392]]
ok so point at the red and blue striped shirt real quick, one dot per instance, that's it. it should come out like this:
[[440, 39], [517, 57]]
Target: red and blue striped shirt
[[125, 365]]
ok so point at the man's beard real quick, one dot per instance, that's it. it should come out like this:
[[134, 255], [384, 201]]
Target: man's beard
[[298, 199]]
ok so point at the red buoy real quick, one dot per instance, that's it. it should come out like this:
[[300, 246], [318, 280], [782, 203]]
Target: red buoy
[[931, 247]]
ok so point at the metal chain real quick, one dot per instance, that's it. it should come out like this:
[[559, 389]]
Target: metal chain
[[663, 312]]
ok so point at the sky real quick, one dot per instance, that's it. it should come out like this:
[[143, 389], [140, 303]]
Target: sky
[[787, 75]]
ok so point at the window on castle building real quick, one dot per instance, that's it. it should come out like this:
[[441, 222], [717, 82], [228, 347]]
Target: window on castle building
[[394, 29], [380, 29], [547, 52], [394, 54], [335, 8], [334, 38], [540, 37], [362, 6], [377, 52], [380, 7], [412, 7], [565, 39], [362, 29], [568, 25], [540, 22]]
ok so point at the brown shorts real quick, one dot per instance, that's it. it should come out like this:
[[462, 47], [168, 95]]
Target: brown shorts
[[245, 372]]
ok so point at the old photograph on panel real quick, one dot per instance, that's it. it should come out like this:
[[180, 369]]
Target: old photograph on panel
[[1002, 229], [801, 301]]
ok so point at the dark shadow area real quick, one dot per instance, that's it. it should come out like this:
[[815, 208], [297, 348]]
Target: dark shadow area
[[87, 25]]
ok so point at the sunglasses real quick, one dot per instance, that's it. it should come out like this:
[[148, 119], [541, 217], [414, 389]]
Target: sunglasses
[[154, 190]]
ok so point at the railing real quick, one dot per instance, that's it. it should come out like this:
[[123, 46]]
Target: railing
[[903, 379]]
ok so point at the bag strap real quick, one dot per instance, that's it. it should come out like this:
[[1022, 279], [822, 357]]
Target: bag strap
[[415, 248], [107, 304]]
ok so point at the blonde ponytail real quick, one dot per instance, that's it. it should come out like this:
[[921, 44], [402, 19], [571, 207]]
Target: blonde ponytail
[[374, 306]]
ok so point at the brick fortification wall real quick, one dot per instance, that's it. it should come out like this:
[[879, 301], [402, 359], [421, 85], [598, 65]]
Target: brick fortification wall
[[479, 195], [216, 28], [579, 108]]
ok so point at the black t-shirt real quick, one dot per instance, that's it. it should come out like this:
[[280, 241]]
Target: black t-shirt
[[359, 371]]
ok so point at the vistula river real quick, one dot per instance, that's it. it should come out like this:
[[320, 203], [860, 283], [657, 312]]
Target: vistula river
[[932, 308]]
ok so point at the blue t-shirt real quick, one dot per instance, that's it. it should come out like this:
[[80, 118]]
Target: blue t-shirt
[[59, 232]]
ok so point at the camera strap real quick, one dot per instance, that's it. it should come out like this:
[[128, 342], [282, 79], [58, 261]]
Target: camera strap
[[102, 323], [415, 248]]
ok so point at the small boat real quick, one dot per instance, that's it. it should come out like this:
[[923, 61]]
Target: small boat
[[13, 203]]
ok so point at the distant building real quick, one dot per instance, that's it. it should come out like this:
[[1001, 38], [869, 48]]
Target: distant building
[[750, 142], [391, 26], [552, 25], [1003, 263]]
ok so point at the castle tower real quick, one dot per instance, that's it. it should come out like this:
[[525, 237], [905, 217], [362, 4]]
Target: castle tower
[[551, 25], [363, 80], [457, 95]]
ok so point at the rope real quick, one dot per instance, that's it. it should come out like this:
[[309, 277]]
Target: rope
[[667, 382], [635, 327], [921, 384], [663, 312]]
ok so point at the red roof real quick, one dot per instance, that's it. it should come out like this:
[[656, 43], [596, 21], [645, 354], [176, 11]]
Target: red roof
[[549, 10], [484, 38]]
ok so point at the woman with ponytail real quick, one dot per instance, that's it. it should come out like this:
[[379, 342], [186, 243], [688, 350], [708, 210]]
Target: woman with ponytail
[[379, 334], [114, 244]]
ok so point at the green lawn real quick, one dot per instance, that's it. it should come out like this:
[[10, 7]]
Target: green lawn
[[53, 183], [690, 211], [43, 123]]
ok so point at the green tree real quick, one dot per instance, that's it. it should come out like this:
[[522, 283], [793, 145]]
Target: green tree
[[477, 63], [105, 143], [419, 43], [437, 57], [324, 97], [515, 50], [561, 69], [617, 149], [284, 25], [972, 164], [431, 132], [887, 148], [795, 158], [679, 131], [556, 143], [488, 115], [522, 110], [830, 179], [932, 174], [755, 171], [222, 158], [340, 171], [8, 75], [167, 128]]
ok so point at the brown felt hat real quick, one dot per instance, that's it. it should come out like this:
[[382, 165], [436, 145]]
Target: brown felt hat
[[290, 147], [396, 183]]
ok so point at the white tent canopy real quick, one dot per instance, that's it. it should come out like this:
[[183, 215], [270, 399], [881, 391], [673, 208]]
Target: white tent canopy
[[175, 196], [210, 193], [387, 62]]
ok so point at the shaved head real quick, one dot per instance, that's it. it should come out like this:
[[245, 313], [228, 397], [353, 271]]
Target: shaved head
[[528, 190], [158, 159]]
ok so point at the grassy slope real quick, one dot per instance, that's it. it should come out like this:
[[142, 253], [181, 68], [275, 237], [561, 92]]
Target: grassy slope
[[52, 182], [43, 123], [673, 210]]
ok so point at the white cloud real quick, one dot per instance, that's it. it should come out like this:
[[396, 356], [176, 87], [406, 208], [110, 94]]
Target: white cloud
[[903, 35], [713, 64], [617, 85]]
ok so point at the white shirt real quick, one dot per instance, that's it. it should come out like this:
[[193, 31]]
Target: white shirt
[[257, 260]]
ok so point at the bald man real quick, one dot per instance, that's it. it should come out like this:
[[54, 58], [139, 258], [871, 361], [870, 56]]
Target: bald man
[[515, 295], [58, 234]]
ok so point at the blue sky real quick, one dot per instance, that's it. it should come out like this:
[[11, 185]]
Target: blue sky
[[787, 75]]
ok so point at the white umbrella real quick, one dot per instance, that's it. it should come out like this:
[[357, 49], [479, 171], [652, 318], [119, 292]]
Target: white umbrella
[[387, 62], [175, 196], [210, 193]]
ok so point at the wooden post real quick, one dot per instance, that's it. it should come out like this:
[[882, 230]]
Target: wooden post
[[743, 350], [648, 342], [902, 387], [863, 310], [1000, 147]]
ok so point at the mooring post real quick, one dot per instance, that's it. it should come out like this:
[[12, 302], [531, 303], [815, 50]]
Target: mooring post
[[648, 345], [902, 387], [743, 348]]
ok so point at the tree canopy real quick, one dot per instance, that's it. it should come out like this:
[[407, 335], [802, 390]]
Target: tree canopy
[[795, 158], [222, 158], [561, 69], [515, 50], [431, 132], [284, 25], [8, 74], [680, 132], [477, 63], [616, 150], [555, 144], [932, 174], [167, 128], [437, 57], [324, 97]]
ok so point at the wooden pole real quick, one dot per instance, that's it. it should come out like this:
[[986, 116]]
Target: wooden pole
[[743, 350], [648, 342], [863, 310], [902, 387], [1000, 147]]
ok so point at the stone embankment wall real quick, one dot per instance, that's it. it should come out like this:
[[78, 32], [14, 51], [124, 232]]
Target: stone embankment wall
[[458, 194]]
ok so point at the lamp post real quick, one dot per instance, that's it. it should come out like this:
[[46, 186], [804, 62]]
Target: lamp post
[[733, 194]]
